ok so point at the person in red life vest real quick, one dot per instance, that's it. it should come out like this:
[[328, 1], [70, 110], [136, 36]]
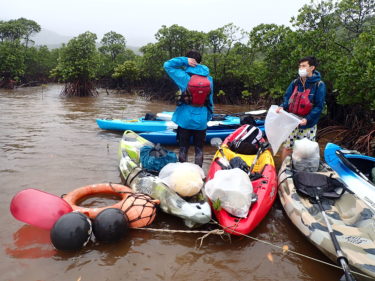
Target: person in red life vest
[[195, 106], [304, 97]]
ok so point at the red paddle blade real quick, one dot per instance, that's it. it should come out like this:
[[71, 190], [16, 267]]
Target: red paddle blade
[[38, 208]]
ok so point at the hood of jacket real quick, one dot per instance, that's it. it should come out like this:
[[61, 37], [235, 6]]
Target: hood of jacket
[[314, 78]]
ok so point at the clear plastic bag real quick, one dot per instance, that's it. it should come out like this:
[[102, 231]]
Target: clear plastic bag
[[306, 155], [233, 188], [278, 126], [184, 178]]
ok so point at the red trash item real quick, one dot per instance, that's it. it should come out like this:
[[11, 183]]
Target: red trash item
[[38, 208]]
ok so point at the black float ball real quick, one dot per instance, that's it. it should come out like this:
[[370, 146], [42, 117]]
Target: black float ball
[[71, 232], [110, 225]]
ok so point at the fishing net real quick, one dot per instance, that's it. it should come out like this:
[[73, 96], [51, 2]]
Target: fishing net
[[140, 209]]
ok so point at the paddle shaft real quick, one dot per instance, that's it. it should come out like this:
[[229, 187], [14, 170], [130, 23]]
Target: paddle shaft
[[252, 112], [227, 163], [262, 147], [340, 255], [255, 159]]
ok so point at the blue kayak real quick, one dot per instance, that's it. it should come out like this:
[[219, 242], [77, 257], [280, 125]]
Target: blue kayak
[[143, 125], [357, 171], [168, 137]]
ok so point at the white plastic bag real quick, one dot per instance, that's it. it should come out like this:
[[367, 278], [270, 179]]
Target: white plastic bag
[[278, 126], [184, 178], [306, 155], [233, 188]]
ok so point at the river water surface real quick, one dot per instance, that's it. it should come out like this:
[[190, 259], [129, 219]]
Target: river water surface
[[53, 144]]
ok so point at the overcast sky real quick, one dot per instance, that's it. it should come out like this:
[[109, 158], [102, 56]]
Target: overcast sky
[[139, 20]]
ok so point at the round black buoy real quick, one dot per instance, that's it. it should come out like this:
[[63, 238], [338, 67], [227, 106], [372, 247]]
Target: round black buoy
[[71, 232], [110, 225]]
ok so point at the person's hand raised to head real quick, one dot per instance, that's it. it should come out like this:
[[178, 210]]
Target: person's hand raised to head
[[192, 62]]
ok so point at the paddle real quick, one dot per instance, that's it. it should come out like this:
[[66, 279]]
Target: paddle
[[167, 116], [351, 166], [315, 193], [38, 208], [252, 112], [340, 255], [217, 143], [262, 147]]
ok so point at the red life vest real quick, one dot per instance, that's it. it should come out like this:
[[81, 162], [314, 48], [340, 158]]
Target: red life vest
[[198, 89], [299, 102]]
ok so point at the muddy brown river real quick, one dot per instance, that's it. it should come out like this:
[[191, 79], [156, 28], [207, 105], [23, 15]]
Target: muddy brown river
[[53, 144]]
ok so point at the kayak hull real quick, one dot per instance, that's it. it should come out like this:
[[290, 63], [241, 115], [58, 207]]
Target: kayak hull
[[350, 218], [265, 188], [362, 188], [136, 125], [142, 125]]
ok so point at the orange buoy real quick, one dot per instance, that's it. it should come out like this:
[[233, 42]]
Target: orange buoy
[[139, 208]]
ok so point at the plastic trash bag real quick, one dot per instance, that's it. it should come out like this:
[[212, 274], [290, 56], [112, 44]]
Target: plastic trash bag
[[154, 158], [278, 126], [184, 178], [233, 188], [306, 155]]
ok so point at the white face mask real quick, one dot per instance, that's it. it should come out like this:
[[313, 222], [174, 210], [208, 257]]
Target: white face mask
[[302, 72]]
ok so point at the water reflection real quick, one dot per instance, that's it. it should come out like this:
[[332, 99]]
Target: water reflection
[[30, 242]]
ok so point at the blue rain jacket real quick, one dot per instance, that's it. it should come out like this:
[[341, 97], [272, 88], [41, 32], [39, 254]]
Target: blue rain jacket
[[317, 97], [188, 116]]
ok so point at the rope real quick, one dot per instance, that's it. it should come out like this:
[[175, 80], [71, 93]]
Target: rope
[[207, 233], [296, 253], [221, 232]]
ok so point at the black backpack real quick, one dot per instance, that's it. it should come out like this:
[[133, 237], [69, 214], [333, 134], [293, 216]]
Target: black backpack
[[248, 142], [247, 119]]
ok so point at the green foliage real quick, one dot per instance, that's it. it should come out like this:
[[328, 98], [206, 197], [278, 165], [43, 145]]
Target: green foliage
[[355, 74], [128, 71], [151, 63], [14, 55], [174, 40], [274, 60], [78, 59], [246, 94], [113, 44], [12, 59], [18, 30], [221, 93], [39, 62], [216, 204]]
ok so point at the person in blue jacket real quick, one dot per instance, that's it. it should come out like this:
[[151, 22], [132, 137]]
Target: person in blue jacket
[[191, 118], [305, 97]]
